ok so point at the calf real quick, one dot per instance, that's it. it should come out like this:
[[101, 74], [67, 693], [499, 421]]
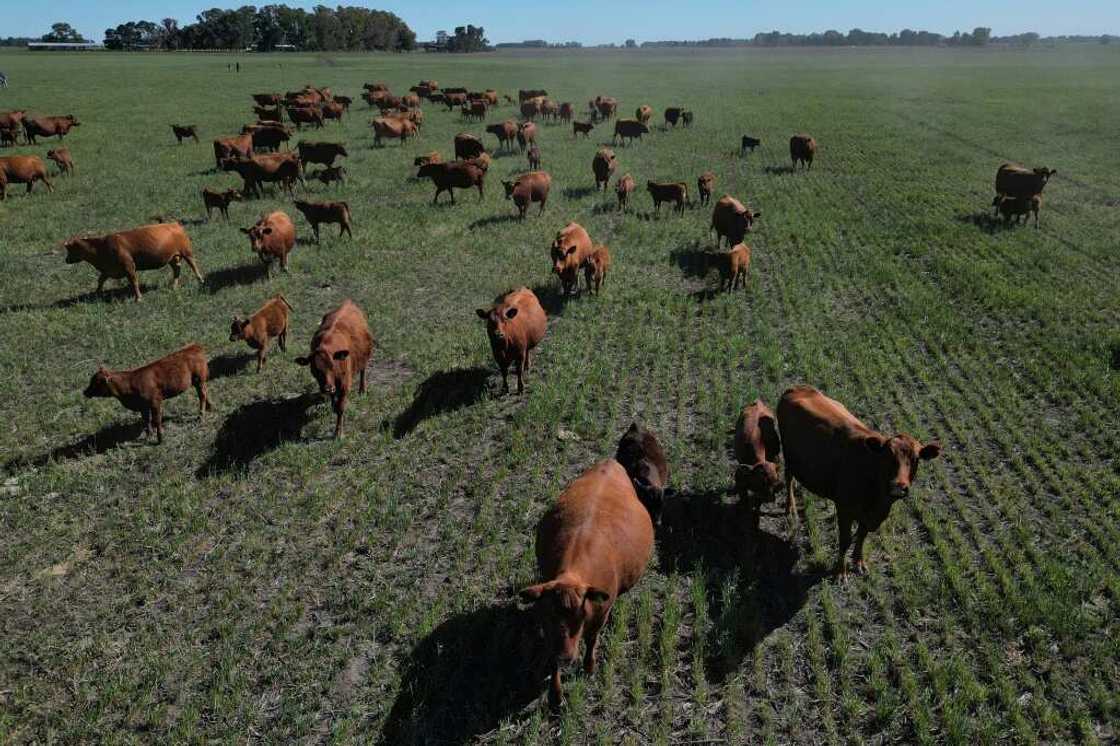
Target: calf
[[526, 135], [332, 174], [835, 456], [570, 247], [506, 132], [62, 159], [454, 175], [748, 143], [672, 116], [326, 212], [144, 389], [704, 187], [515, 325], [582, 128], [334, 110], [212, 199], [623, 188], [1018, 207], [802, 150], [595, 268], [322, 153], [272, 237], [641, 455], [757, 447], [9, 135], [592, 546], [183, 131], [735, 266], [270, 320], [1013, 180], [675, 192], [23, 169], [732, 220], [534, 158], [123, 254], [686, 118], [341, 347], [603, 165], [528, 188]]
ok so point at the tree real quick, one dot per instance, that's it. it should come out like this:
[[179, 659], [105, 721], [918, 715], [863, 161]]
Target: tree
[[630, 43], [468, 39], [980, 36], [63, 32]]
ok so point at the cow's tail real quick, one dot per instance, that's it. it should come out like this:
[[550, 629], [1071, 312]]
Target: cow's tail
[[346, 211], [285, 301]]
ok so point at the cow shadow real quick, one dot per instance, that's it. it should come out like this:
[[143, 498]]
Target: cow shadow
[[442, 392], [579, 192], [120, 293], [468, 675], [608, 208], [552, 300], [255, 428], [982, 219], [705, 295], [241, 274], [693, 261], [105, 439], [777, 170], [229, 364], [700, 531], [494, 220]]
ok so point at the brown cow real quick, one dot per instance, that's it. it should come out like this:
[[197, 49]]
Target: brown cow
[[735, 265], [641, 455], [528, 188], [835, 456], [530, 108], [3, 185], [330, 175], [566, 111], [732, 220], [505, 132], [534, 156], [644, 114], [515, 325], [270, 320], [212, 199], [12, 119], [1013, 180], [705, 185], [268, 113], [592, 546], [595, 268], [454, 175], [526, 134], [282, 168], [326, 212], [144, 389], [62, 159], [757, 447], [344, 102], [606, 106], [802, 149], [668, 191], [301, 115], [373, 87], [230, 147], [268, 135], [1019, 206], [475, 110], [582, 128], [341, 347], [123, 254], [603, 164], [393, 129], [333, 110], [266, 99], [468, 146], [550, 109], [48, 126], [9, 135], [673, 115], [272, 237], [570, 247], [183, 131], [523, 95], [628, 129], [686, 118], [623, 188], [451, 99], [411, 100], [322, 153], [23, 169]]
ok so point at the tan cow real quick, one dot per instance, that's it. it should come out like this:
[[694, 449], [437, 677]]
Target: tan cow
[[272, 237], [392, 128], [624, 187], [23, 169], [735, 266], [595, 268], [341, 347], [124, 254], [569, 249]]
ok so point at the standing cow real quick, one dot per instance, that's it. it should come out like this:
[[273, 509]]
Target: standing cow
[[515, 325], [341, 347]]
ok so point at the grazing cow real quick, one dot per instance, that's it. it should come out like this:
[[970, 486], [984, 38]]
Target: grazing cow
[[505, 132], [526, 134], [534, 158], [625, 129], [183, 131], [374, 87], [623, 188], [1019, 206], [550, 109], [62, 159], [341, 347], [603, 164], [528, 188], [266, 99], [432, 157], [344, 102], [802, 149], [834, 455], [231, 147], [606, 106], [582, 128], [668, 191], [268, 136], [330, 175], [393, 129], [322, 153], [686, 118], [641, 455], [530, 108], [595, 268], [644, 114], [326, 212], [270, 320], [524, 95], [566, 111], [454, 175], [592, 546], [673, 115], [48, 127], [732, 220], [272, 237], [144, 389], [757, 447], [302, 115], [333, 110], [282, 168], [570, 247], [735, 266], [212, 199], [1013, 180], [123, 254], [468, 146], [411, 100], [23, 169], [515, 325], [705, 185], [748, 143], [475, 110], [451, 100], [374, 98], [268, 113]]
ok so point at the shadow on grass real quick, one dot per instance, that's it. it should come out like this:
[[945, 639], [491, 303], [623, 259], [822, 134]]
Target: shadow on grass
[[494, 220], [242, 274], [775, 170], [751, 579], [112, 295], [609, 208], [472, 672], [105, 439], [254, 429], [230, 364], [553, 301], [693, 261], [982, 219], [579, 192], [442, 392]]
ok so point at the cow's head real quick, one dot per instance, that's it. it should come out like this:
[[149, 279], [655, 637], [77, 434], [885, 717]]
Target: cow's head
[[258, 234], [73, 120], [748, 217], [1044, 173], [566, 605], [758, 479], [233, 195], [237, 328], [429, 170], [497, 320], [896, 461], [80, 249], [331, 369], [100, 384], [563, 256], [508, 186], [342, 150]]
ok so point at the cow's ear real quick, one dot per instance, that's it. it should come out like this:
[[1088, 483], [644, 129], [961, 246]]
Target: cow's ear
[[875, 443], [533, 593], [757, 215], [244, 230], [341, 355], [303, 361], [596, 596], [511, 312], [482, 313], [268, 231], [572, 250], [930, 451]]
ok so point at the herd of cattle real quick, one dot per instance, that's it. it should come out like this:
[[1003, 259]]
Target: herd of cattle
[[596, 541]]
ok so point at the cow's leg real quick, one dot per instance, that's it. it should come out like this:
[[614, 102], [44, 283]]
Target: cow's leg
[[175, 272], [315, 229], [362, 380], [591, 638], [857, 551], [340, 413], [101, 283], [791, 499], [844, 526], [146, 415], [203, 396], [505, 377], [282, 340], [344, 227], [555, 691], [157, 419], [133, 281]]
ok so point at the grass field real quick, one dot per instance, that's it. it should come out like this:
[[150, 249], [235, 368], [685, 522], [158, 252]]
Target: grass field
[[253, 580]]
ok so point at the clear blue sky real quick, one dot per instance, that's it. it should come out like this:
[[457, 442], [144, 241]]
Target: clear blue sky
[[598, 21]]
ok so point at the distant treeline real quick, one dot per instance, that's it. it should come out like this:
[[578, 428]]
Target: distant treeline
[[15, 41], [538, 44], [270, 27], [979, 37]]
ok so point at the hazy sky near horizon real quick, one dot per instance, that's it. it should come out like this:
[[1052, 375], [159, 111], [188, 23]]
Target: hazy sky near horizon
[[596, 21]]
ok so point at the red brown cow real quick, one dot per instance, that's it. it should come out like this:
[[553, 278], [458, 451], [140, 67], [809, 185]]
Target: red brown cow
[[448, 177], [757, 447], [341, 347], [62, 159], [272, 237], [515, 325], [734, 266], [330, 175], [372, 87], [333, 110], [606, 106], [623, 188], [592, 546], [570, 247], [144, 389], [266, 99], [534, 156], [732, 220], [411, 100], [524, 95], [528, 188], [526, 135], [23, 169], [123, 254], [12, 119], [506, 132], [270, 320], [566, 111], [183, 131], [272, 168], [268, 113], [9, 135], [301, 115], [475, 110], [641, 455], [1014, 207], [393, 129], [834, 455], [322, 153], [231, 147], [48, 127], [1013, 180], [595, 268], [213, 199], [802, 150], [432, 157], [603, 164], [468, 146], [668, 191], [705, 185], [326, 212], [451, 100], [550, 109], [643, 114]]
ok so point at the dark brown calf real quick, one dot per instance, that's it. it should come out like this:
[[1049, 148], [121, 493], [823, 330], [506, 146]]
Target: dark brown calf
[[332, 174], [213, 199], [641, 455], [675, 192], [62, 159], [705, 185], [183, 131], [582, 128], [326, 212]]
